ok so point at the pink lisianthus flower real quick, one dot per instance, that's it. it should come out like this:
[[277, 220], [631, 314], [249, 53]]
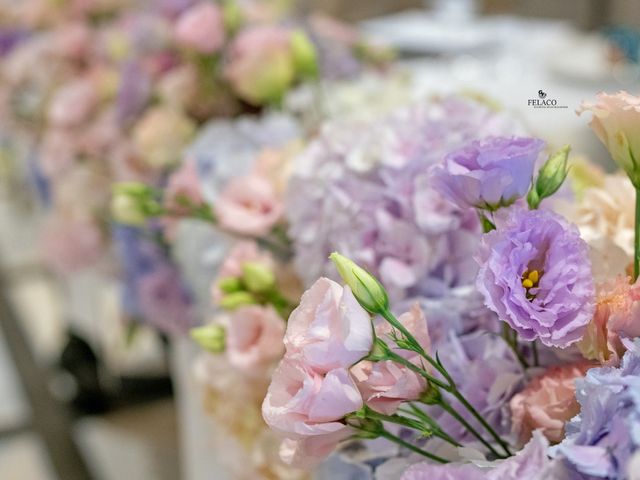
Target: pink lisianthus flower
[[182, 195], [254, 338], [160, 136], [70, 244], [73, 41], [616, 120], [385, 385], [308, 407], [249, 206], [183, 186], [241, 253], [201, 28], [617, 316], [73, 103], [329, 329], [261, 66], [547, 403]]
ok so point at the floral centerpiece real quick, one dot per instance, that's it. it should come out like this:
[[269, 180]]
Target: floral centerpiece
[[476, 332]]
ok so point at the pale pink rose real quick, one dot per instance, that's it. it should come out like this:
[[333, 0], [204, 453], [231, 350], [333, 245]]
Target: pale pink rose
[[201, 27], [303, 404], [161, 135], [73, 103], [329, 329], [126, 165], [241, 253], [617, 315], [385, 385], [71, 244], [182, 195], [73, 41], [179, 86], [260, 67], [249, 206], [276, 165], [616, 122], [547, 403], [183, 186], [254, 338]]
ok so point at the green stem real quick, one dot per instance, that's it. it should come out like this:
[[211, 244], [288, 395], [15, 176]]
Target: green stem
[[452, 411], [536, 359], [512, 340], [437, 430], [393, 356], [413, 343], [451, 387], [456, 393], [390, 436], [636, 243]]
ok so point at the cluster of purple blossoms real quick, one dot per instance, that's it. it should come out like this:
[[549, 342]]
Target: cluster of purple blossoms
[[601, 440], [153, 290], [530, 463], [363, 188]]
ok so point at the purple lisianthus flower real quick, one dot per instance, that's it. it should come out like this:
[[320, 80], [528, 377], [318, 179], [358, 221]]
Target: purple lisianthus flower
[[535, 274], [602, 439], [488, 173], [530, 463]]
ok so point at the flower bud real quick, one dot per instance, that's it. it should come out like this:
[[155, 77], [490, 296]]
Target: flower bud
[[210, 337], [431, 395], [365, 287], [257, 277], [230, 285], [305, 58], [237, 300], [232, 16], [550, 177], [132, 203]]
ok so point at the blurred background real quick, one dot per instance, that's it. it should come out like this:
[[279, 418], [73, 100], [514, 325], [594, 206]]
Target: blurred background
[[83, 397]]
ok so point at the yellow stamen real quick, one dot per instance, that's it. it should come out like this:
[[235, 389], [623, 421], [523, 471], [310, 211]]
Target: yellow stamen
[[526, 283], [534, 276]]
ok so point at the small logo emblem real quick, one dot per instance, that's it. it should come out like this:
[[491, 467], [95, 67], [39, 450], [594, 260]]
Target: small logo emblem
[[543, 102]]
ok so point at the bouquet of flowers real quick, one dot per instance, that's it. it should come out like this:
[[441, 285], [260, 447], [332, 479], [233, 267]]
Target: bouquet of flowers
[[486, 324]]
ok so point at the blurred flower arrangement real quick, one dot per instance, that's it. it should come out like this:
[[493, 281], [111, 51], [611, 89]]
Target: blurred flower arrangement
[[416, 292], [123, 89]]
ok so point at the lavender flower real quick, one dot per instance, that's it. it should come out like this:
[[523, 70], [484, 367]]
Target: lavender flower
[[602, 439], [488, 173], [488, 375], [362, 188], [152, 287], [535, 274], [530, 463]]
